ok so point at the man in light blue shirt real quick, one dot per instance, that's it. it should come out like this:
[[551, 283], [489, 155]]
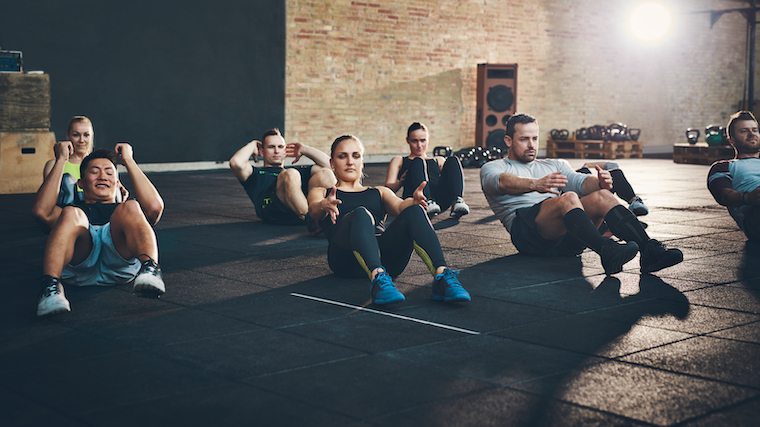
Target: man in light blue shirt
[[549, 209], [735, 183]]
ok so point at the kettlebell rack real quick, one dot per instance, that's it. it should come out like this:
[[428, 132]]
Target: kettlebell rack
[[593, 149]]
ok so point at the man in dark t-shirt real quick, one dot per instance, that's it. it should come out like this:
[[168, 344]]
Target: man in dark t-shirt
[[279, 193]]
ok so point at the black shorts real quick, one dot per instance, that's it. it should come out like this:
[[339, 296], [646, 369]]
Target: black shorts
[[273, 211], [528, 240]]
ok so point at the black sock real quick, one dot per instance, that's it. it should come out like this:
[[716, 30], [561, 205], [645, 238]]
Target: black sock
[[623, 224], [580, 227], [621, 186]]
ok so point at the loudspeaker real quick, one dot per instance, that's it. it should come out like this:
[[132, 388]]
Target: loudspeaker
[[496, 102]]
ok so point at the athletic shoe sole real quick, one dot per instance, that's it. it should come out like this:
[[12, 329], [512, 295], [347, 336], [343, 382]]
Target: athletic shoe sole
[[149, 284], [617, 261], [670, 259]]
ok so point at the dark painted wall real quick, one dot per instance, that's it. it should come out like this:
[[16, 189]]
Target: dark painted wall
[[181, 80]]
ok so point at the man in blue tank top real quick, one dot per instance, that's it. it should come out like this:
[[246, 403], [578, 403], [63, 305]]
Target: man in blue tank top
[[98, 241]]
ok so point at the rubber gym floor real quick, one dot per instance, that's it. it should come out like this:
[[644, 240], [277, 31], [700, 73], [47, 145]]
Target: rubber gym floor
[[254, 329]]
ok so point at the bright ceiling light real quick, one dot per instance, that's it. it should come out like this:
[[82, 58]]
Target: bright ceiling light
[[649, 21]]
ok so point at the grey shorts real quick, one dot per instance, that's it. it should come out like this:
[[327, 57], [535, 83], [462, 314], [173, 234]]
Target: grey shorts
[[104, 266]]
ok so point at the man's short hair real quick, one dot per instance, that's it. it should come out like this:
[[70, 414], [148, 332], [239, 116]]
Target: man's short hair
[[270, 132], [518, 119], [415, 126], [100, 153], [738, 116]]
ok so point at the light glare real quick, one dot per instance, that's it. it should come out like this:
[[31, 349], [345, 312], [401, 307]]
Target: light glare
[[649, 21]]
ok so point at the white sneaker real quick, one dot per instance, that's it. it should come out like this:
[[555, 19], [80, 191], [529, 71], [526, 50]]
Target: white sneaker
[[52, 300], [149, 279], [459, 208], [433, 208], [638, 207]]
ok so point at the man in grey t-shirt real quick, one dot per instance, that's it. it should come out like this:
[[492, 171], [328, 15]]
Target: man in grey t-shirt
[[549, 209]]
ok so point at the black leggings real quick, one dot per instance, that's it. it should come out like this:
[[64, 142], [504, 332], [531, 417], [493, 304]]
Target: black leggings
[[354, 249], [450, 183]]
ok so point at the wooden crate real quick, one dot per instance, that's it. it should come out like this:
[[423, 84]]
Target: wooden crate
[[594, 149], [24, 102], [701, 153]]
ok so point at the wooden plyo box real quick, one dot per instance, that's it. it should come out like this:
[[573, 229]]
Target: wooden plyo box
[[24, 102], [22, 157], [701, 153], [593, 149]]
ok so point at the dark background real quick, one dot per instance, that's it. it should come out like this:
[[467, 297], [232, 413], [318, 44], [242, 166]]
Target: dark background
[[181, 80]]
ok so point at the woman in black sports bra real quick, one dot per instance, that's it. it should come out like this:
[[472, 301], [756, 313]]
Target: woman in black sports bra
[[444, 175], [353, 217]]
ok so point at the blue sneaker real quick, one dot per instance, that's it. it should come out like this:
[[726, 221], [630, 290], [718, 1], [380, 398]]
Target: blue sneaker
[[447, 288], [383, 290]]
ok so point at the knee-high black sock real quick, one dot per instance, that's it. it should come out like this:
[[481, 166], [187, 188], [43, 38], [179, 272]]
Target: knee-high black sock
[[580, 226], [623, 224], [621, 186]]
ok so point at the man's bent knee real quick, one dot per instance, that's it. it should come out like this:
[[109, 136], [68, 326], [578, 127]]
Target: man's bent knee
[[289, 176], [72, 215], [322, 178]]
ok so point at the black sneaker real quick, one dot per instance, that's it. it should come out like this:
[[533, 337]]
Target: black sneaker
[[615, 255], [149, 279], [52, 300], [655, 256]]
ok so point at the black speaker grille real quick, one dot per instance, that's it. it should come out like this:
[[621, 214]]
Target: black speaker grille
[[496, 139], [500, 98]]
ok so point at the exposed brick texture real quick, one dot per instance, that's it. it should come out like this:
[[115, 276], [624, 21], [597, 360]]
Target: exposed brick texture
[[372, 68]]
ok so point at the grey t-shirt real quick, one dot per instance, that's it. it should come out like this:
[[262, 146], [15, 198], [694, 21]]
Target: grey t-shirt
[[505, 205]]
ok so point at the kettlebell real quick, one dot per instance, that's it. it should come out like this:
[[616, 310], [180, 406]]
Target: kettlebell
[[617, 132], [692, 135], [713, 135], [442, 151], [634, 134]]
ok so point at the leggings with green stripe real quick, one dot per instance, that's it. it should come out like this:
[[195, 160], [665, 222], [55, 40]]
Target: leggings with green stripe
[[354, 249]]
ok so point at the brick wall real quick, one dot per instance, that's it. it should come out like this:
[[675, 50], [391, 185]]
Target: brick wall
[[372, 68]]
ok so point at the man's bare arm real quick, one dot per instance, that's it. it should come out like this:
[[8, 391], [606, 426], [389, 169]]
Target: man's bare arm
[[516, 185], [145, 192]]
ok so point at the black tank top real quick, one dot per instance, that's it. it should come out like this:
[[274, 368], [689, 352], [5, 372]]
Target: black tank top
[[434, 172], [369, 198]]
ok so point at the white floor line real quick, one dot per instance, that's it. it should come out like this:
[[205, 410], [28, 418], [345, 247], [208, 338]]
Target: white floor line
[[398, 316]]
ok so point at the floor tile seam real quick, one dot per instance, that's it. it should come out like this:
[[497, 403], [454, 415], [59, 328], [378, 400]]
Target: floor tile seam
[[305, 402], [576, 368], [600, 359], [126, 402], [710, 334], [582, 353], [720, 410], [735, 310], [76, 359], [590, 408], [303, 367], [694, 376], [441, 400], [643, 350]]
